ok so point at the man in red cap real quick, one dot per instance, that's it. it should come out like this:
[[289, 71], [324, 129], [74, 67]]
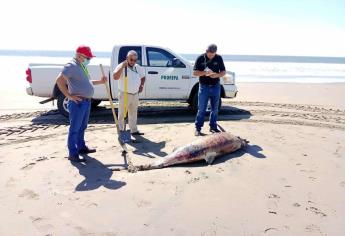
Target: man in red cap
[[75, 83]]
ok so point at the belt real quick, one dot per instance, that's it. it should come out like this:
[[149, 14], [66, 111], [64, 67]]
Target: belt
[[129, 93], [210, 85], [85, 98]]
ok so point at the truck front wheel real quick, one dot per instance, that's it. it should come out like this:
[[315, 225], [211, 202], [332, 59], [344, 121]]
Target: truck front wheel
[[62, 105]]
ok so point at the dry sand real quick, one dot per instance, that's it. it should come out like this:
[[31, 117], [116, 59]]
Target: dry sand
[[290, 180], [330, 95]]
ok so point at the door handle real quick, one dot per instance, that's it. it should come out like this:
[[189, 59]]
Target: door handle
[[153, 72]]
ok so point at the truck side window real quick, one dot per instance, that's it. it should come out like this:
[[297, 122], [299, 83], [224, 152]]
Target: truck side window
[[123, 53], [160, 58]]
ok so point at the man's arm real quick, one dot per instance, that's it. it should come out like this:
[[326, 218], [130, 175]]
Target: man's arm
[[141, 87], [118, 71], [198, 69], [102, 80], [221, 69], [199, 73], [61, 82], [218, 75]]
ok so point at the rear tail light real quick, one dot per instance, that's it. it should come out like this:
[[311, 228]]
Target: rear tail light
[[28, 75]]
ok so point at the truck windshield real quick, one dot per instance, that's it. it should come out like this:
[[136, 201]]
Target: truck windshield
[[124, 50]]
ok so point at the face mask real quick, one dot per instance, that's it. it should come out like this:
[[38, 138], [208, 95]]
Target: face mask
[[86, 62]]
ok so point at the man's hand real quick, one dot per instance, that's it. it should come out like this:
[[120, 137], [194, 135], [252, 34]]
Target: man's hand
[[210, 73], [141, 88], [103, 79], [214, 76], [74, 98]]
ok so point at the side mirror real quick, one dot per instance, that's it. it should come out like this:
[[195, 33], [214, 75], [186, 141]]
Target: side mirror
[[177, 63]]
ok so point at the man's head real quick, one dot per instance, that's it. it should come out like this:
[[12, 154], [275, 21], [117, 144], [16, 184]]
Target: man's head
[[84, 55], [132, 57], [211, 51]]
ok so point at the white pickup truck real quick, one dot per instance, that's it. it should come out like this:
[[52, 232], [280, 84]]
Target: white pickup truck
[[168, 77]]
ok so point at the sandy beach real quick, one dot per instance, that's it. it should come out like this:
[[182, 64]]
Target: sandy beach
[[290, 180]]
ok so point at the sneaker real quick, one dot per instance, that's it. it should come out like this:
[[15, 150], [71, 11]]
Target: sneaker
[[198, 133], [87, 150], [137, 133], [215, 130], [75, 158]]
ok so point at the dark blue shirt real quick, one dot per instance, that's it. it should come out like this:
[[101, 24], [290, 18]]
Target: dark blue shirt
[[215, 64]]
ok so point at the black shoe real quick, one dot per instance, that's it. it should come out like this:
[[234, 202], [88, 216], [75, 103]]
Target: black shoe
[[137, 133], [197, 133], [87, 150], [215, 130], [75, 158]]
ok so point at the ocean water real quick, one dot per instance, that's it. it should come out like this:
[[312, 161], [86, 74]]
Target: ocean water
[[13, 69], [288, 72]]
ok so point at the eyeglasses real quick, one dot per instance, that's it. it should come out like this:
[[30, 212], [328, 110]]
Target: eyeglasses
[[132, 60], [87, 58]]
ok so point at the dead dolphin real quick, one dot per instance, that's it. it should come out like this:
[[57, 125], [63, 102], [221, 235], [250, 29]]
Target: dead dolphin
[[206, 148]]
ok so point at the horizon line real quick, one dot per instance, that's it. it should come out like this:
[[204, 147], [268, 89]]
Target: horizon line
[[228, 57]]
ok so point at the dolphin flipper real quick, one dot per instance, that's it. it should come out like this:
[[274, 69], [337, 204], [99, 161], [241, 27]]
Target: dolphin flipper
[[209, 157]]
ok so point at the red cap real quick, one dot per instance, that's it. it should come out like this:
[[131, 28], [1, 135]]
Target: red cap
[[85, 50]]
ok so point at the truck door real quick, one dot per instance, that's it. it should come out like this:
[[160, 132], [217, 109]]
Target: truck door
[[167, 77], [122, 54]]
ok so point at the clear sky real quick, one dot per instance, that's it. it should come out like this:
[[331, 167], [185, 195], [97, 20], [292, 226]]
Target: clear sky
[[267, 27]]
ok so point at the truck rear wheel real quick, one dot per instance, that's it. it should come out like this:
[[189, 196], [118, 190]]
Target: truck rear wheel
[[62, 105], [194, 104]]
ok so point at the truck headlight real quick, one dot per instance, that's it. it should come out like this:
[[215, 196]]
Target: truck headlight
[[229, 78]]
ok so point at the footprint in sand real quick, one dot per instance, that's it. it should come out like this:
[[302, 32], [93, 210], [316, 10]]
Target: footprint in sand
[[313, 228], [29, 194], [42, 225], [316, 211], [28, 166], [312, 178], [272, 195], [143, 203], [342, 183], [83, 231], [178, 190], [41, 158], [36, 160], [197, 179], [11, 182]]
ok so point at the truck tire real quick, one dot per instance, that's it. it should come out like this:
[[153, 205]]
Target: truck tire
[[62, 105], [95, 103], [194, 104]]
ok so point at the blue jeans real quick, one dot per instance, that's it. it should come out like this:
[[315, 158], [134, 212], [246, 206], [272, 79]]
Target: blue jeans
[[207, 93], [78, 117]]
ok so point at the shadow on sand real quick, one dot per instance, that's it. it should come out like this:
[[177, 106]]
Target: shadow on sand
[[146, 115], [96, 174], [145, 147]]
